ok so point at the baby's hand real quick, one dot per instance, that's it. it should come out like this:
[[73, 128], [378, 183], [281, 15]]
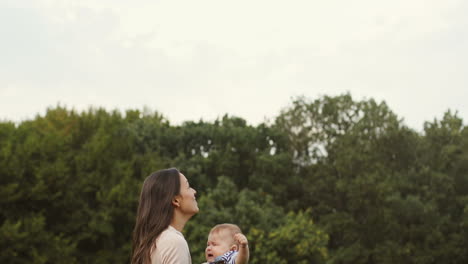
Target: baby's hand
[[241, 239], [243, 256]]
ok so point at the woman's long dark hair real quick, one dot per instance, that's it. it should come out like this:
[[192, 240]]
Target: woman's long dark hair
[[155, 211]]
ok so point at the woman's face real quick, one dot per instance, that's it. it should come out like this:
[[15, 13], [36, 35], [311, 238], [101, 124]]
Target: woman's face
[[188, 202]]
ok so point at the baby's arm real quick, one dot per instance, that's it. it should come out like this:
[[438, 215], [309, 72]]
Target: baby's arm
[[243, 255]]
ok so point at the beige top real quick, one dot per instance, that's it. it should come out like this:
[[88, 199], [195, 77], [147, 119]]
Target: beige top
[[171, 248]]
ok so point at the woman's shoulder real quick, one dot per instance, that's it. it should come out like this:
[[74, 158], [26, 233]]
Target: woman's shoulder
[[171, 246], [171, 236]]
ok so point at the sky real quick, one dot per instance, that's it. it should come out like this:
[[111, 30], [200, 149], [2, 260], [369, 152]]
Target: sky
[[192, 60]]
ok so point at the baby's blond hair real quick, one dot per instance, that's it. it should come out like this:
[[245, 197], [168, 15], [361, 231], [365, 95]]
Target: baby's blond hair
[[231, 228]]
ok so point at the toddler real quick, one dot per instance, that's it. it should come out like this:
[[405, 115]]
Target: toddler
[[226, 244]]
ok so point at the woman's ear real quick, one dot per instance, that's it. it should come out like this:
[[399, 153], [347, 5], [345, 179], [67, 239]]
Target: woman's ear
[[176, 201]]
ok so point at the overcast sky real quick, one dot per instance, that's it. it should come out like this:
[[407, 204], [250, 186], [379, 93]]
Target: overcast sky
[[192, 59]]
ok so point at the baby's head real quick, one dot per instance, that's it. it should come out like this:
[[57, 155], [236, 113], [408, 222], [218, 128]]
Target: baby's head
[[221, 240]]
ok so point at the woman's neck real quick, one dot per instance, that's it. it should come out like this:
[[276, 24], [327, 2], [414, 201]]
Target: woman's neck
[[178, 221], [178, 226]]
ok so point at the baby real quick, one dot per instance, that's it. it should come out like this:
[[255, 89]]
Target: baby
[[226, 244]]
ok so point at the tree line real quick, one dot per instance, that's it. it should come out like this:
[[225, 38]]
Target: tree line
[[332, 180]]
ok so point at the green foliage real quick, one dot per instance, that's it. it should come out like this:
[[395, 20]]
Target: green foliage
[[27, 241], [332, 180], [297, 240]]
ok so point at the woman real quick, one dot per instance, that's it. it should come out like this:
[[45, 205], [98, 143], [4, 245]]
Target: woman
[[167, 202]]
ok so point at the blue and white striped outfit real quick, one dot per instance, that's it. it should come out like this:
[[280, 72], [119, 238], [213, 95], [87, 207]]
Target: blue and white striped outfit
[[229, 257]]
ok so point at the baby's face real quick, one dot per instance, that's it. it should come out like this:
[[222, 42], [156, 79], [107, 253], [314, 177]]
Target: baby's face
[[218, 243]]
